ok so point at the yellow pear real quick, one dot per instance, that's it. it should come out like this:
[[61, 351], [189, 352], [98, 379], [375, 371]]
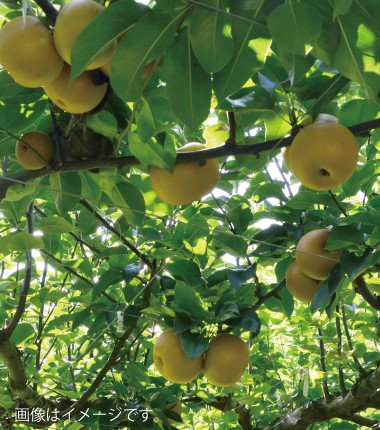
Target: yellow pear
[[171, 360], [34, 150], [78, 96], [300, 286], [324, 155], [312, 257], [225, 360], [27, 52], [72, 18], [188, 182]]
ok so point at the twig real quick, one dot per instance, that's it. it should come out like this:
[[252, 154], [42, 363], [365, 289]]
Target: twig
[[231, 141], [109, 227], [26, 284], [326, 394], [342, 385]]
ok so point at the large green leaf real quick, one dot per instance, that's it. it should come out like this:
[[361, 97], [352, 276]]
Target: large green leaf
[[210, 36], [152, 153], [187, 301], [300, 22], [251, 47], [129, 199], [188, 85], [150, 37], [22, 334], [67, 189], [102, 31], [358, 52]]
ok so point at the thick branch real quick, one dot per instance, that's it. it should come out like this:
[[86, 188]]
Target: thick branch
[[49, 10], [362, 289], [183, 157], [344, 407]]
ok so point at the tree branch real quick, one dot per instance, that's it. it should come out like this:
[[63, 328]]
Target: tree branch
[[8, 330], [109, 227], [362, 289], [49, 10], [183, 157], [344, 406]]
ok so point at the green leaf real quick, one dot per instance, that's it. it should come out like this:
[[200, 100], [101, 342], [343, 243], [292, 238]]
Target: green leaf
[[307, 199], [231, 244], [152, 35], [22, 334], [67, 188], [354, 265], [129, 199], [238, 277], [356, 56], [341, 7], [55, 224], [209, 35], [193, 344], [188, 302], [251, 47], [145, 123], [302, 24], [186, 271], [131, 271], [284, 303], [104, 123], [102, 31], [152, 153], [18, 192], [344, 236], [23, 241], [251, 99], [328, 288], [248, 320], [188, 85]]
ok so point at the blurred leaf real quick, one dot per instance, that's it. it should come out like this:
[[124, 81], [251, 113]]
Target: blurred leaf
[[104, 123], [55, 224], [105, 28], [187, 301], [129, 199], [248, 320], [302, 24], [209, 35], [67, 189], [354, 265], [23, 333], [131, 271], [328, 288], [152, 153], [186, 271], [342, 236], [152, 35], [23, 241], [238, 277], [251, 47], [188, 85], [194, 344]]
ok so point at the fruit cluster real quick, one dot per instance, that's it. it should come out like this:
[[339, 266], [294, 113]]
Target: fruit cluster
[[43, 59], [222, 364], [311, 266]]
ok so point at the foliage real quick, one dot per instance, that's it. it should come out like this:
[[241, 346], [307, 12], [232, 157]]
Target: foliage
[[106, 265]]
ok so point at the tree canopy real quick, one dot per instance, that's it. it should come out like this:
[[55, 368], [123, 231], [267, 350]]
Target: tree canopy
[[94, 265]]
